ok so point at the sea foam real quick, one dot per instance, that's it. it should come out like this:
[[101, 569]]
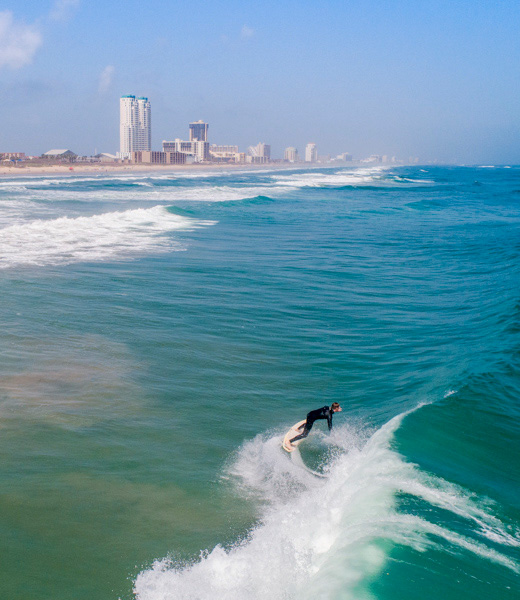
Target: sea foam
[[378, 176], [323, 538], [114, 235]]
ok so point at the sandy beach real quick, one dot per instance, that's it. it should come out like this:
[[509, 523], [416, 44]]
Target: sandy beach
[[68, 169]]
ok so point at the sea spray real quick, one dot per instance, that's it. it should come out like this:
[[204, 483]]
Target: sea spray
[[323, 538]]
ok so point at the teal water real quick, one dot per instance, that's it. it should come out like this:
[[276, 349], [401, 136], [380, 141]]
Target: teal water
[[161, 332]]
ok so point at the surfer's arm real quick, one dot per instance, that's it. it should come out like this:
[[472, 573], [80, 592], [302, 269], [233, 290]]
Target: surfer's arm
[[329, 419]]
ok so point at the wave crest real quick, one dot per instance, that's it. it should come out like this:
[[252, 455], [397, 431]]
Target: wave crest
[[323, 538], [116, 235]]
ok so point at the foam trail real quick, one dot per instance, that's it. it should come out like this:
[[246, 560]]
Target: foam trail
[[115, 235], [322, 538]]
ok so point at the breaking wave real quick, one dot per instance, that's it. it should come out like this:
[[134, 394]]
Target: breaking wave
[[323, 538], [380, 176], [114, 235]]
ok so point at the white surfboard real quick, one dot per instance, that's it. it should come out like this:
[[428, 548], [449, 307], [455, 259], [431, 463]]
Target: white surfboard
[[293, 432]]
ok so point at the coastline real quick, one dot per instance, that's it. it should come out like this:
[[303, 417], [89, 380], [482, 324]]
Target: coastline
[[67, 169]]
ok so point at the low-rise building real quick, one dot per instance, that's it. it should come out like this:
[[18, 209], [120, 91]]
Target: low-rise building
[[373, 158], [60, 154], [152, 157], [223, 148], [105, 157], [198, 149], [226, 154], [12, 156]]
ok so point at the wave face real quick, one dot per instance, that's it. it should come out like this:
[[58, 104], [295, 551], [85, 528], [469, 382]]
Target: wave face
[[325, 538]]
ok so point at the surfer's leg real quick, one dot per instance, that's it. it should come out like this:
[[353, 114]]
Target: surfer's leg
[[307, 428]]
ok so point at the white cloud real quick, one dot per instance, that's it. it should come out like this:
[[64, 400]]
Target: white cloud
[[246, 32], [18, 41], [105, 79], [62, 9]]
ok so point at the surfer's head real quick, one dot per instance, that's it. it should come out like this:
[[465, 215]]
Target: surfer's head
[[335, 407]]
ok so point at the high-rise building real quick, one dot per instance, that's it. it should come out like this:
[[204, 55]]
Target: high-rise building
[[291, 154], [260, 153], [311, 153], [199, 131], [135, 125]]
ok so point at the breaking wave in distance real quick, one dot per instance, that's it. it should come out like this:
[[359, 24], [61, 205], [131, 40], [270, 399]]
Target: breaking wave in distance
[[147, 191], [114, 235], [370, 176], [324, 538]]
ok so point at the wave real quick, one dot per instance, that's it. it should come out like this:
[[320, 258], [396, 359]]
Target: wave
[[320, 538], [68, 179], [373, 176], [114, 235], [146, 191]]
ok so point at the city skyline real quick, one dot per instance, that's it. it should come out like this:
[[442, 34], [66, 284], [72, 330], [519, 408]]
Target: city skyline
[[438, 81], [136, 134]]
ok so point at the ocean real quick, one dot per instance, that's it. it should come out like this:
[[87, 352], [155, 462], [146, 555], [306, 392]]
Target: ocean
[[160, 333]]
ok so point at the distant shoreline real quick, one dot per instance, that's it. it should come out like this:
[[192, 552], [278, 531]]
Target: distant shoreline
[[97, 168]]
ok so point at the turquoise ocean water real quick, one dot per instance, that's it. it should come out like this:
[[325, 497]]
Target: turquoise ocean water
[[160, 332]]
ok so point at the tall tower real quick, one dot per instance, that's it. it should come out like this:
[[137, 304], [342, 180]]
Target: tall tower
[[135, 125], [199, 131], [311, 153], [291, 154], [144, 124]]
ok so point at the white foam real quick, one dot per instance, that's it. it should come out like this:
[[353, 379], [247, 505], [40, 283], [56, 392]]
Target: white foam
[[372, 176], [145, 191], [115, 235], [335, 179], [321, 538], [70, 179]]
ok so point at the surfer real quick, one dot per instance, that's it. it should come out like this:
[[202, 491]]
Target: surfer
[[325, 412]]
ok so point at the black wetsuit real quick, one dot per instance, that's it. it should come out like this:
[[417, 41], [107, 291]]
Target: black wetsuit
[[314, 415]]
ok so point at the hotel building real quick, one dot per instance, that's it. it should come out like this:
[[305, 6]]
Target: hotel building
[[261, 153], [199, 131], [311, 153], [158, 158], [291, 154], [197, 150], [135, 125], [226, 153]]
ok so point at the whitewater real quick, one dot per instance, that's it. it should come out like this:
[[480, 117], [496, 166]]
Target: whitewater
[[320, 539]]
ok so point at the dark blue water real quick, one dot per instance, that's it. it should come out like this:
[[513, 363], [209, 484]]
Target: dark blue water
[[161, 332]]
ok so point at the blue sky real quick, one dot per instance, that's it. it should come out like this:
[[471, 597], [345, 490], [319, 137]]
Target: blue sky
[[438, 80]]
